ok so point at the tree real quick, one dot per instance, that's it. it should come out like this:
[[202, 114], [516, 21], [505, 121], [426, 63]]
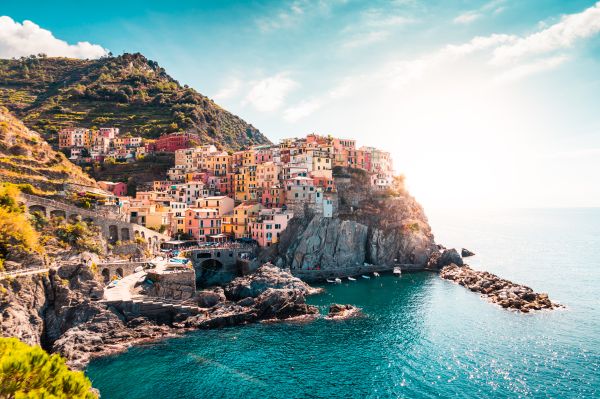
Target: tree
[[29, 372]]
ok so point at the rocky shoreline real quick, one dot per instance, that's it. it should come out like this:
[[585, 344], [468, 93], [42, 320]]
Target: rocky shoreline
[[502, 292]]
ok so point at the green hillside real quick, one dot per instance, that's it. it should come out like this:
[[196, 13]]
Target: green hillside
[[128, 91]]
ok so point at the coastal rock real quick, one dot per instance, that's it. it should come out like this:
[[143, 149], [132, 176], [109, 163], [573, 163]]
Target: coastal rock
[[265, 277], [340, 312], [105, 334], [210, 297], [449, 257], [374, 228], [500, 291], [282, 304], [466, 253]]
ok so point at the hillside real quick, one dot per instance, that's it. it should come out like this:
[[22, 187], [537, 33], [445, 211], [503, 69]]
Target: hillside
[[128, 91], [25, 158]]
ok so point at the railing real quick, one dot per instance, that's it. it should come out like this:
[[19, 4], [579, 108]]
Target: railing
[[23, 272], [181, 302]]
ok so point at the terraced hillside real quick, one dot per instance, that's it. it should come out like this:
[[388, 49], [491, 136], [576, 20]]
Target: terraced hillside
[[26, 158], [128, 91]]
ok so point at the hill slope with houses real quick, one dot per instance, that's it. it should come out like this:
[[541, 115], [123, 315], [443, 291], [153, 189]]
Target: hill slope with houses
[[128, 92]]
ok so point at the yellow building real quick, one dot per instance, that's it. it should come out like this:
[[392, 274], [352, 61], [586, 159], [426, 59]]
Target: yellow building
[[245, 184], [238, 223]]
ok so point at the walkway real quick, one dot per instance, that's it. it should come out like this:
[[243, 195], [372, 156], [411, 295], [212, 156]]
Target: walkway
[[24, 272]]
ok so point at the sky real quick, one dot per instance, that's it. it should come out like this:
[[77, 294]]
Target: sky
[[481, 103]]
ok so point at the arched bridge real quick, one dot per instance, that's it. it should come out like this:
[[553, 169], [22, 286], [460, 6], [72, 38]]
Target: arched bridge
[[112, 226], [218, 265]]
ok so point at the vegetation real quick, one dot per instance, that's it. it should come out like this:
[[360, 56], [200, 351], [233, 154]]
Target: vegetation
[[128, 91], [17, 235], [29, 162], [29, 372], [78, 234]]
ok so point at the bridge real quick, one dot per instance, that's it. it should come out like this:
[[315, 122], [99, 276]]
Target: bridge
[[219, 265], [113, 227], [119, 268]]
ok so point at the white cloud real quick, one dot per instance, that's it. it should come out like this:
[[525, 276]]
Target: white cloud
[[522, 71], [17, 40], [269, 94], [467, 17], [556, 37], [303, 109], [365, 40], [231, 89], [494, 6]]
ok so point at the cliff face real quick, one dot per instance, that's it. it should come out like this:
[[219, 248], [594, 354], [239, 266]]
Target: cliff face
[[377, 228]]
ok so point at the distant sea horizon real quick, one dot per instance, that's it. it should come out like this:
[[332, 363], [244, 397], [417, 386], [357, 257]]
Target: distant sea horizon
[[422, 337]]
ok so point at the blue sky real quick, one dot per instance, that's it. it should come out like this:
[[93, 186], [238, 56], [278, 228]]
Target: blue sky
[[482, 103]]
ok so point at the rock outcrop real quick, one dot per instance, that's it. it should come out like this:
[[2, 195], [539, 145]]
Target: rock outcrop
[[500, 291], [465, 253], [369, 227], [265, 277], [268, 294], [341, 312]]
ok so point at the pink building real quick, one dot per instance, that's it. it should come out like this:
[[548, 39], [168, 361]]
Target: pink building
[[273, 197], [267, 228], [201, 223], [119, 189]]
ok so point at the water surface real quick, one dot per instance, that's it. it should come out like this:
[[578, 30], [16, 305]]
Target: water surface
[[422, 338]]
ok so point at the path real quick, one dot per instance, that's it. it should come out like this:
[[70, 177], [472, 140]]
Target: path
[[24, 272]]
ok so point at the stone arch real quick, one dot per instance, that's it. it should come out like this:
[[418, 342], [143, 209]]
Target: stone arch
[[136, 233], [120, 272], [38, 208], [113, 233], [125, 234], [106, 275], [143, 235], [58, 213], [211, 265]]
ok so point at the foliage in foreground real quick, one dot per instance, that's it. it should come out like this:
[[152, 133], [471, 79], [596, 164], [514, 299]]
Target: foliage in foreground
[[29, 372], [17, 235]]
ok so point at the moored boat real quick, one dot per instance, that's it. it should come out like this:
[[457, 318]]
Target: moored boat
[[397, 271], [338, 280], [350, 278], [367, 277], [330, 281], [375, 274]]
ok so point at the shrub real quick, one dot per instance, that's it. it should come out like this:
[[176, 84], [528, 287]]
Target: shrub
[[29, 372]]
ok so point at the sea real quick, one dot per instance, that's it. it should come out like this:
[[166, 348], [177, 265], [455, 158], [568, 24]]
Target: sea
[[421, 336]]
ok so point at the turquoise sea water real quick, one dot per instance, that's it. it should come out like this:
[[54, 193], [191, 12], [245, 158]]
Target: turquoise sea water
[[422, 338]]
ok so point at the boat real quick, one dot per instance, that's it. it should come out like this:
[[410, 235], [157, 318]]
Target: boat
[[397, 271], [375, 274], [367, 277], [350, 278], [338, 280], [330, 281]]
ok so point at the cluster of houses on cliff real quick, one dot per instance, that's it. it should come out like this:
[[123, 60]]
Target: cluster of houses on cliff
[[214, 195], [84, 145]]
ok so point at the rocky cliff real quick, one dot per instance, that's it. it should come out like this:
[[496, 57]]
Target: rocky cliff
[[370, 227]]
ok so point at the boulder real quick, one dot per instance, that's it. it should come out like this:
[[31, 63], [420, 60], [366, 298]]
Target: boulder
[[338, 312], [466, 253], [448, 257]]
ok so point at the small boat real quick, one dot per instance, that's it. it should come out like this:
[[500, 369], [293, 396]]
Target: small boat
[[330, 281], [397, 271], [338, 280], [351, 278], [375, 274], [367, 277]]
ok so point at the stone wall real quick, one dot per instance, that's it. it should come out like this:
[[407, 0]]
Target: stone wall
[[180, 285]]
